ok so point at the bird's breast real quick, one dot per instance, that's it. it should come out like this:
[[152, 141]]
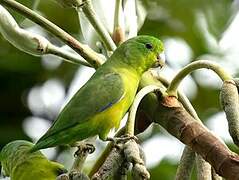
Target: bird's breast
[[111, 117]]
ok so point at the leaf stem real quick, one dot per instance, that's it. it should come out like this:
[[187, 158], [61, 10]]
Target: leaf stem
[[182, 98], [118, 32], [132, 113], [35, 4], [85, 51], [172, 89], [118, 4], [89, 12], [67, 56]]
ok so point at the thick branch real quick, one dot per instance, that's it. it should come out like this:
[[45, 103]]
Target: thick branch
[[174, 118], [185, 167], [112, 165], [169, 113]]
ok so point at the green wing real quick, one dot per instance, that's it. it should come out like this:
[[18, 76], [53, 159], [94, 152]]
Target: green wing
[[98, 94]]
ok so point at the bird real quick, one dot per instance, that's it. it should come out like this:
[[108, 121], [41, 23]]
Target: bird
[[100, 104], [18, 163]]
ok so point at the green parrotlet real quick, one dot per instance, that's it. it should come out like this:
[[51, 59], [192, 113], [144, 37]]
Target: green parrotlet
[[20, 164], [102, 102]]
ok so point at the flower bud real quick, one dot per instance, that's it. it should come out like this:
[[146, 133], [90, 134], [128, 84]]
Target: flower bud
[[230, 102]]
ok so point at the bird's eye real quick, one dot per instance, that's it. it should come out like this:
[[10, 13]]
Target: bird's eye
[[149, 46]]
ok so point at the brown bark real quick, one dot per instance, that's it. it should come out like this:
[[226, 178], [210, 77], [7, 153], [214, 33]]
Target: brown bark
[[170, 114], [178, 122]]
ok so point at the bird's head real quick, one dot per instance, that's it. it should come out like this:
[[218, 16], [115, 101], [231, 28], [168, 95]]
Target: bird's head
[[142, 53]]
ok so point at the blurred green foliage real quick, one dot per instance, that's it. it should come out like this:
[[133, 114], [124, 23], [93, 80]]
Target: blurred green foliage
[[166, 18], [181, 19]]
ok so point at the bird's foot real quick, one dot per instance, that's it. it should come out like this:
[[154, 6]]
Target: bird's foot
[[74, 175], [122, 139], [63, 177], [84, 148]]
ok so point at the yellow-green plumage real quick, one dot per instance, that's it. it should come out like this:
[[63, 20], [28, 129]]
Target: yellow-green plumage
[[102, 102], [20, 164]]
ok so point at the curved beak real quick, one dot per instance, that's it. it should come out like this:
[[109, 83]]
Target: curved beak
[[160, 60]]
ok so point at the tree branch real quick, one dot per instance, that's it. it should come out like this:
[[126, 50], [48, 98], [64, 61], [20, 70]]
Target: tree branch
[[172, 89], [132, 112], [89, 12], [188, 156], [118, 32], [67, 56], [31, 42], [85, 51], [186, 164], [170, 114], [203, 168]]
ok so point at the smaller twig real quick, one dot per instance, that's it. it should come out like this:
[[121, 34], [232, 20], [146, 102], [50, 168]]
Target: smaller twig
[[132, 113], [89, 12], [35, 4], [85, 51], [69, 3], [67, 56], [131, 148], [31, 42], [203, 168], [118, 32], [118, 6], [172, 89], [186, 164]]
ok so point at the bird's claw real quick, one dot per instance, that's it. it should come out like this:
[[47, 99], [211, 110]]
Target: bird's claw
[[74, 175], [63, 177], [122, 139], [85, 148]]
